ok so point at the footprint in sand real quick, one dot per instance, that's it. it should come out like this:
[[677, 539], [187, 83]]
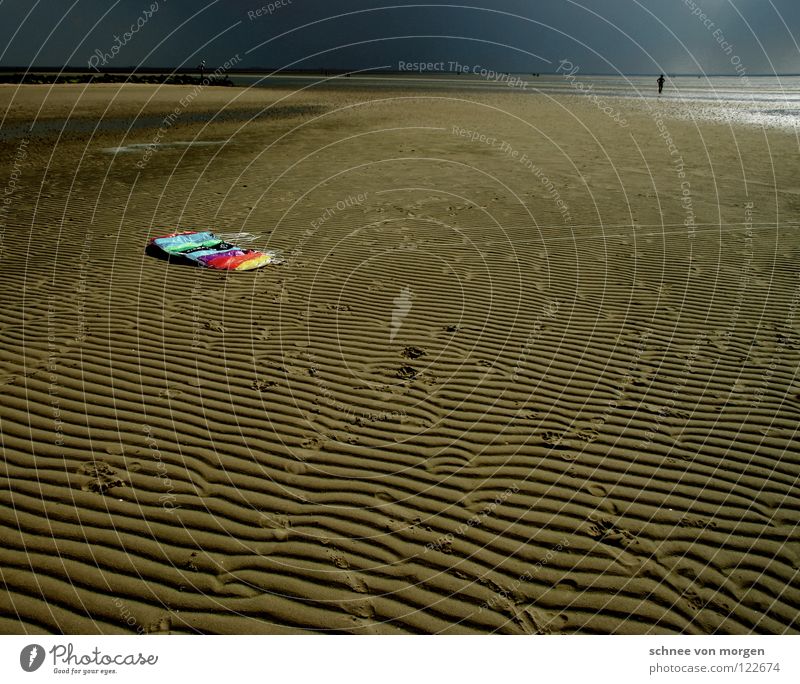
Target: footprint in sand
[[696, 522], [190, 563], [406, 372], [606, 505], [569, 440], [566, 585], [604, 530], [313, 443], [537, 621], [585, 436], [282, 296], [102, 477], [693, 600], [554, 439], [276, 526], [528, 412], [338, 559], [359, 609], [356, 583], [597, 490], [413, 353], [162, 625], [262, 385]]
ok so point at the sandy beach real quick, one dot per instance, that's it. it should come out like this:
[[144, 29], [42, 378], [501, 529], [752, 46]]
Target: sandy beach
[[530, 367]]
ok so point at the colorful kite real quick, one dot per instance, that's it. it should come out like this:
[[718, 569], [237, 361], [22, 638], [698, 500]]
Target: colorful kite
[[206, 249]]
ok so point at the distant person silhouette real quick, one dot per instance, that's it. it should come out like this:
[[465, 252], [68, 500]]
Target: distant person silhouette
[[660, 82]]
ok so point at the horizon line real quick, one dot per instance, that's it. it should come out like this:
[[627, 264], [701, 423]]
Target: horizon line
[[362, 72]]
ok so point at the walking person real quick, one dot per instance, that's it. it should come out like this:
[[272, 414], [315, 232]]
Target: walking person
[[660, 82]]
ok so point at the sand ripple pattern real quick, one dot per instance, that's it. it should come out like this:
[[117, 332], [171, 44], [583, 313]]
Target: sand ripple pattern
[[448, 412]]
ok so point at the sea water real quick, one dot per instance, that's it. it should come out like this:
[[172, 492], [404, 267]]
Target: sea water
[[770, 101]]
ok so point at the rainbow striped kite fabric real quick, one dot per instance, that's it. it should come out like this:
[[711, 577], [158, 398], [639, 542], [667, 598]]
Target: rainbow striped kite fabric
[[206, 249]]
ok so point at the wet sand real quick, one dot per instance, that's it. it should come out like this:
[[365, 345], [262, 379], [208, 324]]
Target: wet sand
[[526, 369]]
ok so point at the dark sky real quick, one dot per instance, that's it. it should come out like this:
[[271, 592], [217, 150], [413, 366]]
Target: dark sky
[[607, 36]]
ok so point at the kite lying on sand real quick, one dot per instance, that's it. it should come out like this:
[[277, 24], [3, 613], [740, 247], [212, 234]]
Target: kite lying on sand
[[206, 249]]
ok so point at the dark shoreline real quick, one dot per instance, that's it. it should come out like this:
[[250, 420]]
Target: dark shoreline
[[40, 78]]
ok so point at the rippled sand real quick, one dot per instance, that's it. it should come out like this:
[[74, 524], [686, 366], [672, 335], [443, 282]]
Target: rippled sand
[[499, 386]]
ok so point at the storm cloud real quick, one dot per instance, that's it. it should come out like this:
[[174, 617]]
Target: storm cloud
[[603, 36]]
